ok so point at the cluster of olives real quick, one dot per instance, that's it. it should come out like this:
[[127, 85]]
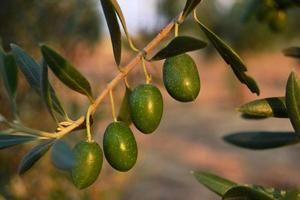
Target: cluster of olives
[[145, 103], [272, 13]]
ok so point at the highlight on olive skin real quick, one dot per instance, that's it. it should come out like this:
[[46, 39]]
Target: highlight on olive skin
[[181, 78], [146, 107]]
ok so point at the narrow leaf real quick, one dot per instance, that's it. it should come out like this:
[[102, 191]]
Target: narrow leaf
[[262, 140], [231, 58], [214, 183], [292, 98], [7, 140], [45, 89], [124, 111], [292, 52], [179, 45], [114, 28], [189, 7], [246, 193], [267, 107], [62, 156], [32, 72], [66, 72], [119, 12], [9, 74], [34, 155]]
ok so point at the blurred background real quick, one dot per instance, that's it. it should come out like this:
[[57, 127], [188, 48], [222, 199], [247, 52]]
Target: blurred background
[[190, 134]]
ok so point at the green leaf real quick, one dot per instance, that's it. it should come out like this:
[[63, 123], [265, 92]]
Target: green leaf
[[62, 156], [292, 52], [231, 58], [7, 140], [122, 19], [270, 191], [267, 107], [214, 183], [179, 45], [34, 155], [292, 98], [292, 195], [124, 111], [262, 140], [114, 28], [189, 7], [9, 74], [245, 193], [66, 72], [32, 72], [45, 89]]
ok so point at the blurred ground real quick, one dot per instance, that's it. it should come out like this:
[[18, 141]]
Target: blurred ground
[[189, 137]]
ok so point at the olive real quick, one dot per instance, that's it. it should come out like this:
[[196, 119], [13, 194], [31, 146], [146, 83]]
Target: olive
[[119, 145], [88, 163], [181, 78], [146, 107]]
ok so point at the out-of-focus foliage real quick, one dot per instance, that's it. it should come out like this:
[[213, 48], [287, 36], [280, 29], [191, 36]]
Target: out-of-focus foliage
[[251, 34], [63, 22]]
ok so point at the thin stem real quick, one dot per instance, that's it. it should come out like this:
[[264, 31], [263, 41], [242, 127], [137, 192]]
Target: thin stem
[[176, 30], [88, 125], [112, 103], [146, 73], [126, 82], [195, 16]]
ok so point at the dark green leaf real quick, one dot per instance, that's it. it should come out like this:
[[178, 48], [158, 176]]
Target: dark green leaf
[[179, 45], [292, 52], [7, 140], [262, 140], [34, 155], [124, 112], [189, 7], [270, 191], [122, 19], [9, 74], [245, 193], [231, 58], [114, 28], [214, 183], [292, 195], [45, 89], [62, 156], [32, 72], [267, 107], [292, 98], [66, 72]]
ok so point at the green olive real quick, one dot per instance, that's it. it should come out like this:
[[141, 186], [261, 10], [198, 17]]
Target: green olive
[[146, 107], [88, 163], [181, 78], [120, 148]]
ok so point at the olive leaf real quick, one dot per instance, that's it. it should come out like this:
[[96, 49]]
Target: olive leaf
[[292, 195], [114, 28], [62, 156], [66, 72], [262, 139], [189, 7], [292, 52], [292, 100], [7, 140], [244, 192], [9, 74], [32, 72], [45, 89], [231, 58], [179, 45], [34, 155], [214, 183], [124, 111], [122, 19], [267, 107]]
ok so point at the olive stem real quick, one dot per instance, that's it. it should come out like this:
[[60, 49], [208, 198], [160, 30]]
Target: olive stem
[[112, 103], [146, 73], [88, 125], [176, 29], [195, 16]]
